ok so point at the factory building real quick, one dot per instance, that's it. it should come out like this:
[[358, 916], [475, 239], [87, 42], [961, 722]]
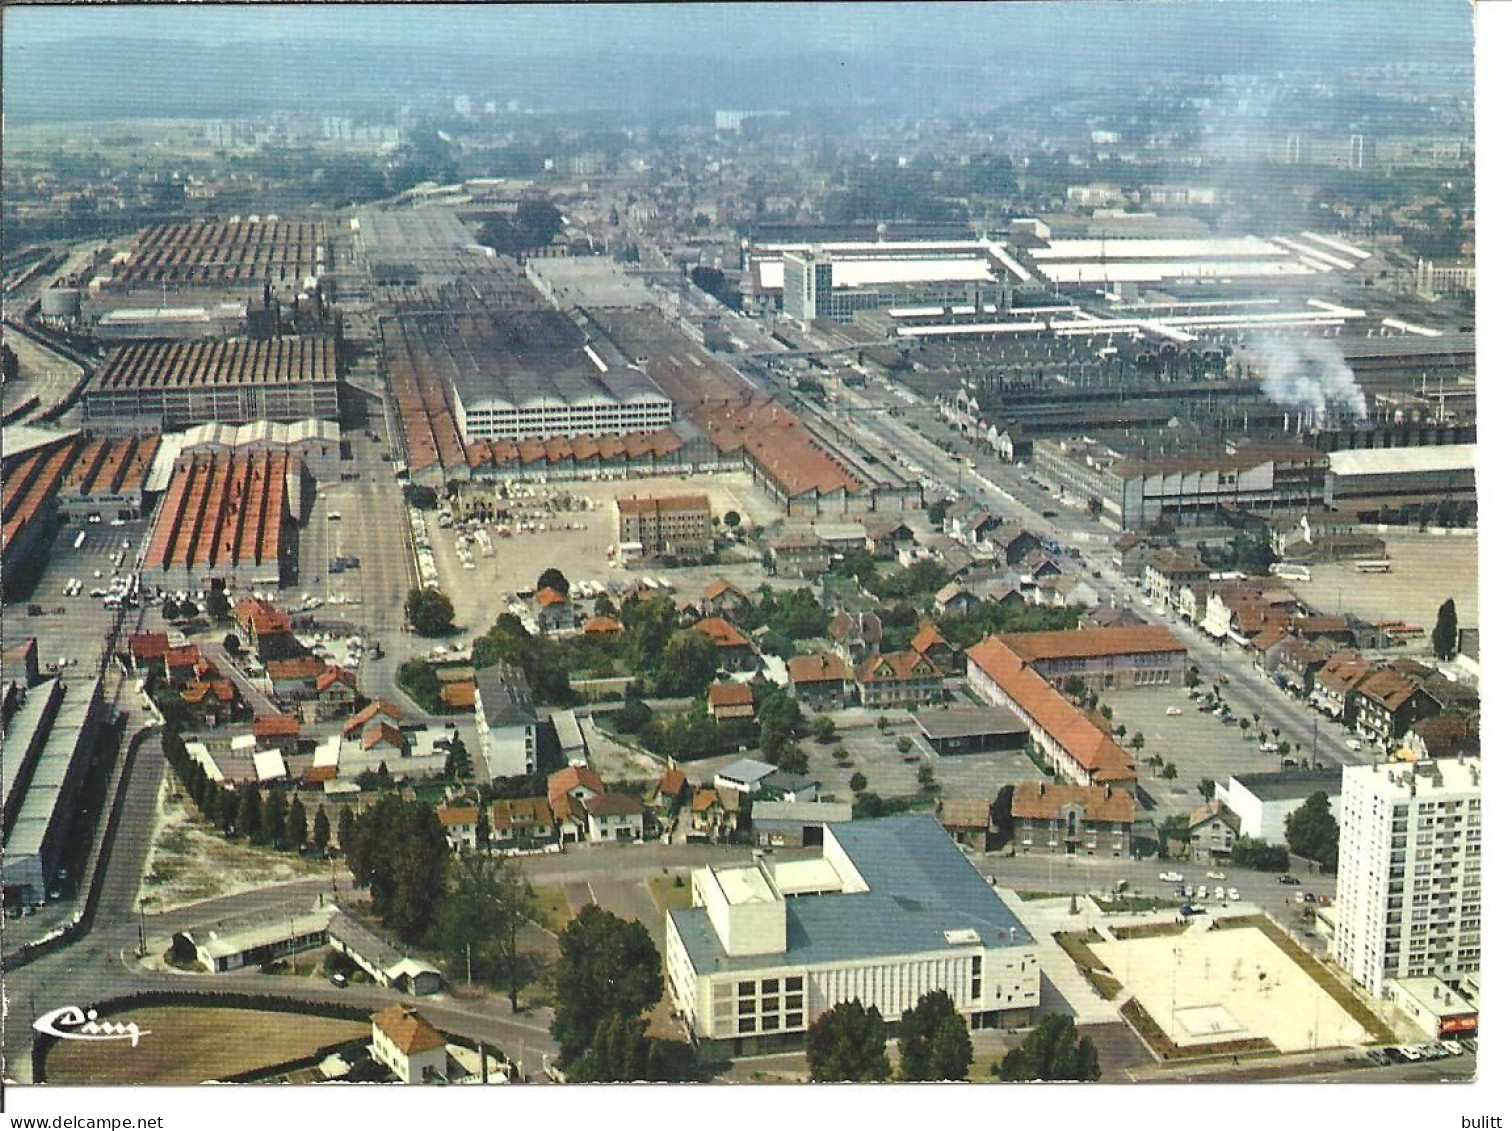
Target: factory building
[[49, 737], [243, 253], [1380, 473], [160, 385], [225, 517], [532, 375], [109, 479], [768, 947], [1409, 900]]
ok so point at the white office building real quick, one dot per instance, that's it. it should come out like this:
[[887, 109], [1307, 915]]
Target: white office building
[[1409, 894], [891, 911]]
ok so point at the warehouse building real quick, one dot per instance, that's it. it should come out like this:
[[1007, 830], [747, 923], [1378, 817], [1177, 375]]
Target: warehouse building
[[164, 385], [108, 479], [33, 469], [1262, 802], [243, 253], [891, 911], [1381, 473]]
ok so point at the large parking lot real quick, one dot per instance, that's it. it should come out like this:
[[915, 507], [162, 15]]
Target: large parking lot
[[1425, 571], [1198, 743]]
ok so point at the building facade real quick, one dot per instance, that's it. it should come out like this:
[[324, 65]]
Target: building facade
[[891, 911], [1409, 895], [678, 526]]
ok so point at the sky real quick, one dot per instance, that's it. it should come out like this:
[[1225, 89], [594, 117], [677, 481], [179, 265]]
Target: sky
[[748, 28]]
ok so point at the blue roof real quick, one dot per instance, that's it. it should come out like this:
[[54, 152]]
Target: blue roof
[[921, 886]]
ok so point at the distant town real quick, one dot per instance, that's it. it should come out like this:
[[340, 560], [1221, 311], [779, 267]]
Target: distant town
[[498, 591]]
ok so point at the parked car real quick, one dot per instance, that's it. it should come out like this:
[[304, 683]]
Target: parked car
[[1454, 1048], [1233, 893], [339, 981], [1202, 891], [1215, 875], [1411, 1052], [1173, 710], [1309, 897], [1289, 880], [1377, 1057], [1171, 877], [1189, 910], [1395, 1055]]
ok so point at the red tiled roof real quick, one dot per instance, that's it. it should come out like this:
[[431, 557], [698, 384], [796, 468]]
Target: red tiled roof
[[565, 781], [652, 504], [300, 667], [723, 694], [510, 812], [928, 637], [602, 624], [1044, 800], [147, 646], [1032, 647], [409, 1032], [370, 712], [460, 695], [315, 775], [383, 733], [614, 805], [884, 667], [722, 632], [547, 597], [823, 668], [673, 782], [275, 726], [465, 816], [718, 588], [1102, 758], [334, 675]]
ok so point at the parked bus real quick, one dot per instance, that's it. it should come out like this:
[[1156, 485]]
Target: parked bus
[[1373, 566]]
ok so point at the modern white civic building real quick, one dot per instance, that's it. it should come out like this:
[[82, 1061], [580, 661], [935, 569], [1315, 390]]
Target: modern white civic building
[[891, 911]]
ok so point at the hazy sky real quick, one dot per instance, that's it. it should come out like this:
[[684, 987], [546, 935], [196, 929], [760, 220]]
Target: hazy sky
[[735, 29]]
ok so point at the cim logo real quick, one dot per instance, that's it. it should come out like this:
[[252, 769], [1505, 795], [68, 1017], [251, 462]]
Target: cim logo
[[71, 1023]]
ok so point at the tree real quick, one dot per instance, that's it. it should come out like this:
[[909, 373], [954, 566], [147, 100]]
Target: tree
[[430, 611], [1193, 678], [617, 1053], [1244, 727], [217, 604], [1001, 811], [1076, 687], [608, 968], [320, 834], [1168, 771], [927, 778], [632, 717], [1446, 631], [732, 519], [936, 511], [934, 1040], [1207, 787], [296, 825], [553, 578], [688, 664], [249, 813], [346, 829], [210, 806], [483, 830], [823, 729], [1051, 1052], [232, 644], [1312, 831], [1256, 854], [848, 1042], [487, 904], [1137, 743], [858, 782], [276, 818], [399, 853]]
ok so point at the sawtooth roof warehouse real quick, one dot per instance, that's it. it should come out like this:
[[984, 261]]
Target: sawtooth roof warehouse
[[891, 911]]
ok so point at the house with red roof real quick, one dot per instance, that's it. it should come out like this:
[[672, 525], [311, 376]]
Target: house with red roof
[[575, 784], [276, 732], [212, 701], [930, 643], [147, 649], [898, 679], [408, 1045], [819, 681], [553, 611], [728, 700], [602, 626], [671, 791], [335, 695], [736, 652], [721, 599]]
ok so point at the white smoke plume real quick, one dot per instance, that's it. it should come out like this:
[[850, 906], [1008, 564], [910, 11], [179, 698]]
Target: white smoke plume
[[1310, 374]]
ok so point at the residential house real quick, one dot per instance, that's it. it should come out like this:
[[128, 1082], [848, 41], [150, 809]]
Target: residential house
[[553, 611], [460, 824], [408, 1045], [1061, 591], [1336, 683], [1297, 663], [818, 681], [1065, 819], [1135, 550], [671, 791], [276, 732], [1168, 570], [841, 538], [970, 524], [147, 650], [966, 819], [212, 701], [798, 553], [898, 679], [1212, 830], [721, 599], [266, 628], [1111, 616], [186, 664], [522, 823], [855, 635], [954, 600], [713, 814], [1012, 544], [1038, 565], [1191, 601], [335, 695], [736, 652], [602, 626], [1442, 736], [729, 700], [610, 817], [509, 730], [563, 788], [384, 741], [885, 534], [930, 643], [377, 709], [1387, 703], [293, 679]]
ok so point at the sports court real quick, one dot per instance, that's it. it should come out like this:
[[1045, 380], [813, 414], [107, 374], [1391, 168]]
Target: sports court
[[1217, 986]]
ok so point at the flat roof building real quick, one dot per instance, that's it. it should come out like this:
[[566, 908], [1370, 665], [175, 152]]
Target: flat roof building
[[891, 911]]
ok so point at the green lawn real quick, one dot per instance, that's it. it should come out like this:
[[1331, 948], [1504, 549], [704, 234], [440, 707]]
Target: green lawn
[[552, 910], [667, 892]]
